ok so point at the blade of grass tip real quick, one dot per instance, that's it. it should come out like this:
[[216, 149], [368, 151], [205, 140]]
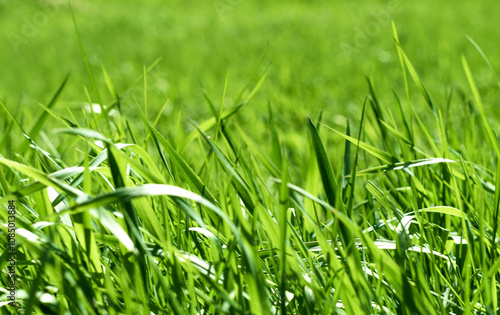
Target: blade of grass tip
[[157, 119], [327, 177], [418, 81], [483, 55], [13, 118], [320, 119], [258, 85], [379, 115], [313, 177], [111, 88], [73, 117], [37, 127], [479, 104], [83, 132], [132, 86], [87, 66], [210, 123], [401, 61], [413, 73], [210, 104], [237, 100], [221, 107], [403, 165], [445, 210], [325, 168], [395, 132], [58, 116], [346, 169]]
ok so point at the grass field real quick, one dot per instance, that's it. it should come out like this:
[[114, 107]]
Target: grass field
[[245, 157]]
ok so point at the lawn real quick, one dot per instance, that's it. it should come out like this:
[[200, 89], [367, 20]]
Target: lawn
[[247, 157]]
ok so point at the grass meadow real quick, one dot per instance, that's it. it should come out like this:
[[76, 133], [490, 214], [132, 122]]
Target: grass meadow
[[249, 157]]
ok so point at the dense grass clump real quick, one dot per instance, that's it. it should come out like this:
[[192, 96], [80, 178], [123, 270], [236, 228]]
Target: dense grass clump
[[132, 215]]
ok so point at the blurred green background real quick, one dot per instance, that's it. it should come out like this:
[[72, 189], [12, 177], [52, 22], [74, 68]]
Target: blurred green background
[[320, 52]]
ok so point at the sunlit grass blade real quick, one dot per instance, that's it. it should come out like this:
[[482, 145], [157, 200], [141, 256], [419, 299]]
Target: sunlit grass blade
[[380, 154]]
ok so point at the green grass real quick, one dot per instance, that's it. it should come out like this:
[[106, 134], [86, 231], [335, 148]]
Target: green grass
[[246, 206], [311, 69]]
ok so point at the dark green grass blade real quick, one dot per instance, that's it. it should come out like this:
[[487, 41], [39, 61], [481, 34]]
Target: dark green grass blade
[[325, 168]]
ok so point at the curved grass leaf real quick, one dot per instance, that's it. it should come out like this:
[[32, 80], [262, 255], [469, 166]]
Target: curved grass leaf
[[380, 154], [404, 165]]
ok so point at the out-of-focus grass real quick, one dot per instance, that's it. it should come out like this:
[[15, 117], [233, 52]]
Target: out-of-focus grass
[[319, 53], [200, 41]]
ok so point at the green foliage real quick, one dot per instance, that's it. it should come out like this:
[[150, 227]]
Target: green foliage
[[144, 217]]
